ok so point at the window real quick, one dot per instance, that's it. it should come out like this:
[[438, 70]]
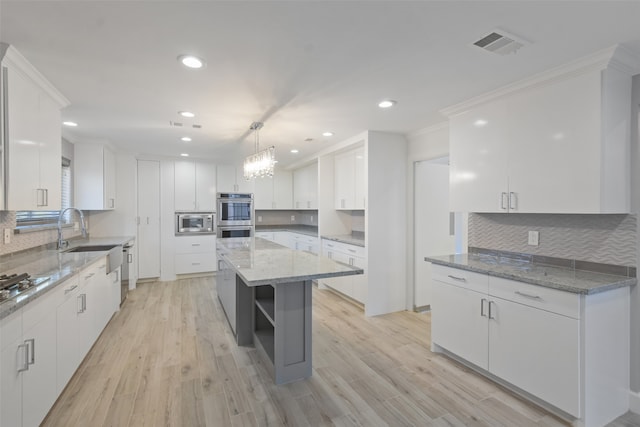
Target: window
[[30, 218]]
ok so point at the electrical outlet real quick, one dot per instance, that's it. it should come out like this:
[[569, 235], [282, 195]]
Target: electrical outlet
[[259, 218], [76, 226], [311, 218], [7, 236], [293, 217], [534, 238]]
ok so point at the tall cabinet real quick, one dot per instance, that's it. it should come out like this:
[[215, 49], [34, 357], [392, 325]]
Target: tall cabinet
[[94, 177], [30, 128], [148, 241]]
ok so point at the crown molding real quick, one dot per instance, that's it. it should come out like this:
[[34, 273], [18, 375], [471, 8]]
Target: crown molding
[[618, 57], [18, 63], [429, 129]]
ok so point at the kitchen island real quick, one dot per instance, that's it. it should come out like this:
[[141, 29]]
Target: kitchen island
[[265, 291]]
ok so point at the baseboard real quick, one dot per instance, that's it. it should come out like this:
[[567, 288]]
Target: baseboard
[[634, 402]]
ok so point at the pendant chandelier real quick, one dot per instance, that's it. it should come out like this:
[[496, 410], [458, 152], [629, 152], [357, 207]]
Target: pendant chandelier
[[259, 164]]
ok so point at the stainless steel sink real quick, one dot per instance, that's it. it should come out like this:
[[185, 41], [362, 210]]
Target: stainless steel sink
[[91, 248], [114, 257]]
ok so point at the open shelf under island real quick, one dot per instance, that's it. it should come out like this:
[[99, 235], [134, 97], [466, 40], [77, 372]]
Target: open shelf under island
[[265, 291]]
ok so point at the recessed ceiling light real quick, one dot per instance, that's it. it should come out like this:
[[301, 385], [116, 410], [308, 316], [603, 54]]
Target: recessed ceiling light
[[184, 155], [294, 151], [185, 139], [70, 124], [191, 61], [480, 122], [327, 134], [386, 103], [186, 114]]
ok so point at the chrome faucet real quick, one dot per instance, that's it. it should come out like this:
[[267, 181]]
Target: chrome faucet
[[63, 243]]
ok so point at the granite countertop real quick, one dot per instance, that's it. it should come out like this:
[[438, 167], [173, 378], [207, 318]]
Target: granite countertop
[[346, 238], [302, 229], [52, 263], [261, 262], [563, 279]]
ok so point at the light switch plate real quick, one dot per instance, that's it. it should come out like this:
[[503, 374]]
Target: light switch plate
[[534, 238], [259, 218], [293, 217], [7, 236]]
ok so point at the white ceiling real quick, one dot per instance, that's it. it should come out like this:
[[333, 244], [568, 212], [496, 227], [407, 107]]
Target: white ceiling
[[301, 67]]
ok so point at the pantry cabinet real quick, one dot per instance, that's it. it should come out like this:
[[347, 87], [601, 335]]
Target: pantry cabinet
[[556, 146], [305, 187], [31, 120], [195, 186], [564, 348], [349, 180], [94, 177]]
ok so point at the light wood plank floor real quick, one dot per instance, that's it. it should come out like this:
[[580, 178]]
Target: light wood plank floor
[[168, 359]]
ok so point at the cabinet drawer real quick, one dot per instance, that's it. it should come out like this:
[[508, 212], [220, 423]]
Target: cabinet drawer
[[195, 263], [345, 248], [553, 300], [465, 279], [195, 244]]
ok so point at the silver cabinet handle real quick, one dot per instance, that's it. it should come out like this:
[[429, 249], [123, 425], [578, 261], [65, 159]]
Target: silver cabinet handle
[[352, 250], [459, 279], [513, 201], [195, 244], [25, 366], [101, 267], [528, 295], [46, 195], [195, 263], [66, 291], [112, 203], [129, 258], [79, 304], [31, 343], [503, 196], [482, 301], [490, 304], [350, 261]]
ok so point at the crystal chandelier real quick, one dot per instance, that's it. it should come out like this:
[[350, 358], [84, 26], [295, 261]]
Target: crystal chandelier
[[259, 164]]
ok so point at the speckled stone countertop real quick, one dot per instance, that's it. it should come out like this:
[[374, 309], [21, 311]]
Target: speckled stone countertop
[[302, 229], [52, 263], [564, 279], [260, 262], [346, 238]]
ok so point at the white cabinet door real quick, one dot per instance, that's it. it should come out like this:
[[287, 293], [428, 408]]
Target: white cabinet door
[[148, 241], [458, 324], [263, 197], [243, 185], [67, 325], [12, 358], [305, 187], [185, 186], [360, 201], [226, 178], [50, 152], [344, 181], [205, 187], [282, 190], [478, 165], [94, 177], [538, 351], [359, 281], [555, 129], [39, 387], [24, 158]]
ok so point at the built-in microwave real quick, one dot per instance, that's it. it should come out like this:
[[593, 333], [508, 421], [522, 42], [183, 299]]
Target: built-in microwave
[[195, 223], [235, 209]]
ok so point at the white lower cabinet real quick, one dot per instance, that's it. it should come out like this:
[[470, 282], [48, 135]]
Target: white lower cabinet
[[68, 331], [195, 254], [543, 341], [354, 287]]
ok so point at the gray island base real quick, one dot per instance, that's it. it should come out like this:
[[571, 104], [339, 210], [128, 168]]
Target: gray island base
[[265, 291]]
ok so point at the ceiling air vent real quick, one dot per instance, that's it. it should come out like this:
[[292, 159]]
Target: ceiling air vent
[[500, 42], [177, 124], [196, 126]]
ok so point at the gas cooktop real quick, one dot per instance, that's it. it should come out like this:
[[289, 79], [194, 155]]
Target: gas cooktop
[[15, 284]]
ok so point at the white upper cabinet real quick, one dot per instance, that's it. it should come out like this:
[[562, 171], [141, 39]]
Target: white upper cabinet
[[349, 180], [95, 177], [31, 120], [275, 192], [558, 144], [305, 187], [195, 186], [231, 179]]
